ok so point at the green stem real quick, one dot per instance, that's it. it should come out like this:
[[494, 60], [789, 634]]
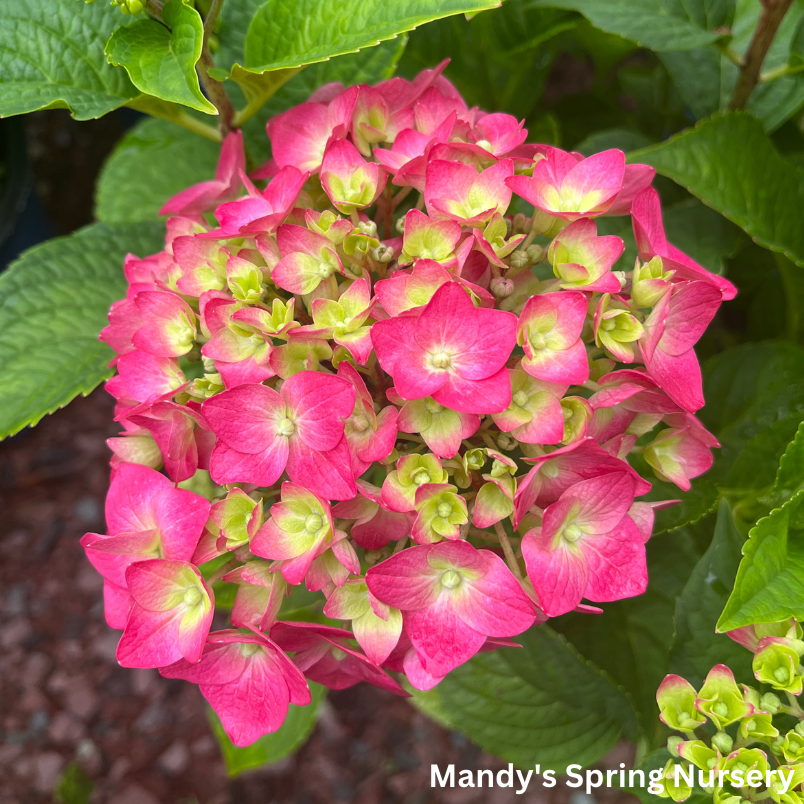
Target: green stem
[[154, 8], [778, 72], [730, 53], [773, 12], [212, 18], [510, 558]]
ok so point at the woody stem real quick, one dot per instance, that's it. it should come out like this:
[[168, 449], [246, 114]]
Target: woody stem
[[510, 558]]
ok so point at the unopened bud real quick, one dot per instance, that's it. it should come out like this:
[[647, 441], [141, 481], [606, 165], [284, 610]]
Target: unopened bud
[[501, 287], [771, 703], [368, 227], [673, 744], [400, 225], [509, 227], [506, 442], [382, 253], [722, 742], [535, 253], [518, 222], [520, 260], [621, 278]]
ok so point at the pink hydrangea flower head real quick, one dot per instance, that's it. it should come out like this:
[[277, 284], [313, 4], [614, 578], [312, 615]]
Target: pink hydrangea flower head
[[442, 429], [535, 415], [308, 259], [262, 433], [681, 451], [452, 597], [571, 189], [440, 512], [411, 473], [170, 616], [587, 546], [247, 680], [427, 239], [169, 324], [453, 352], [375, 525]]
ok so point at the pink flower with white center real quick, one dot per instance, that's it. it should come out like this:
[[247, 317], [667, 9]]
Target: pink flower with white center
[[682, 451], [300, 136], [170, 616], [554, 473], [204, 196], [169, 324], [457, 191], [587, 546], [535, 415], [582, 260], [300, 529], [370, 435], [375, 525], [260, 212], [247, 680], [454, 352], [146, 517], [452, 597], [646, 217], [261, 433], [182, 436], [498, 133], [325, 655], [671, 330], [549, 331], [571, 189], [241, 352], [308, 259], [350, 181]]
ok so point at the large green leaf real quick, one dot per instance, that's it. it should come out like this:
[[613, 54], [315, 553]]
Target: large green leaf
[[53, 303], [655, 24], [631, 639], [153, 162], [161, 62], [730, 163], [790, 475], [289, 33], [51, 56], [292, 734], [539, 704], [696, 647], [770, 582]]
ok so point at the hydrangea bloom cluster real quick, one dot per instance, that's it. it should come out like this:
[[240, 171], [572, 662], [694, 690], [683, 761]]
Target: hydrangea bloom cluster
[[400, 394], [724, 724]]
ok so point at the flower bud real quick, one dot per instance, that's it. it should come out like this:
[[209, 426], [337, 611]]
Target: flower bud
[[672, 744], [777, 664], [793, 746], [722, 742], [504, 441], [520, 260], [400, 225], [381, 253], [535, 253], [771, 703], [501, 287]]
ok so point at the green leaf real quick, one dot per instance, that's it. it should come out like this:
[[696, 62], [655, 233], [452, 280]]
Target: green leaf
[[770, 582], [726, 161], [289, 33], [367, 67], [790, 475], [51, 56], [153, 162], [655, 24], [53, 303], [696, 646], [292, 734], [631, 639], [539, 704], [623, 138], [161, 62], [73, 786]]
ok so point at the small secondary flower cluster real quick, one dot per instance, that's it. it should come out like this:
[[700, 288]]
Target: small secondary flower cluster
[[405, 397], [728, 767]]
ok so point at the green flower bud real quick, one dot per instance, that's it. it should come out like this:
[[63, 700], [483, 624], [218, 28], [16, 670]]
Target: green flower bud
[[673, 743], [777, 664], [722, 742], [771, 703], [793, 747]]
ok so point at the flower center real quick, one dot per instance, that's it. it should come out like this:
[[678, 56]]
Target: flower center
[[520, 399], [250, 648], [781, 675], [433, 406], [313, 523], [420, 477], [538, 341], [550, 470], [450, 579], [360, 423], [338, 654], [608, 324], [192, 596], [720, 709], [444, 510], [285, 427], [572, 533], [441, 360]]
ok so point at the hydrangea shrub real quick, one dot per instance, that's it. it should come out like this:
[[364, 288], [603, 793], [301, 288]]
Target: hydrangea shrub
[[405, 367]]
